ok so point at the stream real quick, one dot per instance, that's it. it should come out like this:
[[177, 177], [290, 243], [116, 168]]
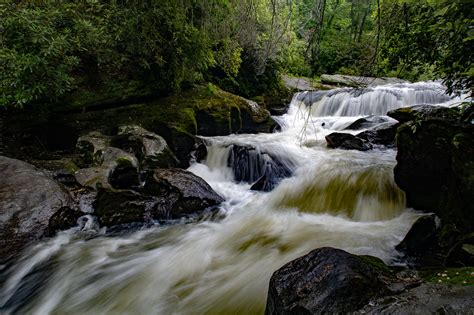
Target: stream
[[222, 264]]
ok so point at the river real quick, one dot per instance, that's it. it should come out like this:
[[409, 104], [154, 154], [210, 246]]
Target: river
[[222, 263]]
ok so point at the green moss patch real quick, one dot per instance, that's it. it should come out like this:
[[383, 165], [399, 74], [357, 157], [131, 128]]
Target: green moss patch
[[455, 276]]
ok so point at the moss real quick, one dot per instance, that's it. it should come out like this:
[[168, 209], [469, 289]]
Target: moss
[[376, 263], [71, 167], [456, 276], [123, 161]]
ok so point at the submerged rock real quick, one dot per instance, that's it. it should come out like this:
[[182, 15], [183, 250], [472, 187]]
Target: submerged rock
[[28, 199], [167, 194], [347, 141], [327, 280]]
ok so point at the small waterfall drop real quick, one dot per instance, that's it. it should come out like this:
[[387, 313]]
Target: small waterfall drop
[[344, 199], [373, 101]]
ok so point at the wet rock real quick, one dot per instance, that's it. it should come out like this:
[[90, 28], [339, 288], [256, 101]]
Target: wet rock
[[151, 149], [380, 135], [114, 207], [418, 112], [253, 166], [367, 122], [422, 241], [435, 167], [167, 194], [193, 193], [347, 141], [28, 199], [327, 280], [65, 218]]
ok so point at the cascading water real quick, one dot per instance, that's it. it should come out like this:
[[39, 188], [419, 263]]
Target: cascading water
[[344, 199]]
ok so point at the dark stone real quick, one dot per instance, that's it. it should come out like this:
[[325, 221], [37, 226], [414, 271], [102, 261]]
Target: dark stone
[[114, 207], [66, 178], [65, 218], [28, 199], [327, 281], [380, 135], [200, 152], [253, 166], [167, 194], [194, 194], [347, 141], [124, 175], [420, 237], [366, 122], [428, 298], [406, 114], [435, 167], [278, 111], [462, 254]]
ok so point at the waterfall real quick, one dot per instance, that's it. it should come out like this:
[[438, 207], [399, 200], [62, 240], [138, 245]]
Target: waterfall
[[329, 197], [372, 101]]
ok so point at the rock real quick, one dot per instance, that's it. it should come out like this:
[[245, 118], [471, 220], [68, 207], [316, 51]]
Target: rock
[[435, 167], [151, 149], [357, 81], [124, 175], [28, 199], [113, 167], [380, 135], [347, 141], [253, 166], [327, 280], [167, 194], [248, 117], [192, 192], [422, 242], [65, 218], [367, 122], [427, 298], [114, 207], [462, 254], [89, 146], [308, 98], [406, 114]]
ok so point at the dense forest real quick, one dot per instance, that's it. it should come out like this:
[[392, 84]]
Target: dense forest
[[54, 49]]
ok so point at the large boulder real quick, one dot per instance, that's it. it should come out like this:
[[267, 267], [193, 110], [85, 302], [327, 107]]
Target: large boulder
[[327, 281], [347, 141], [436, 168], [28, 200], [167, 194]]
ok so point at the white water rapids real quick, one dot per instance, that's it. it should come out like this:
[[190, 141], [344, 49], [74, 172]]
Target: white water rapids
[[222, 265]]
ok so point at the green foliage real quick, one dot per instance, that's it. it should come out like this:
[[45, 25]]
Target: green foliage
[[430, 39], [52, 49]]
